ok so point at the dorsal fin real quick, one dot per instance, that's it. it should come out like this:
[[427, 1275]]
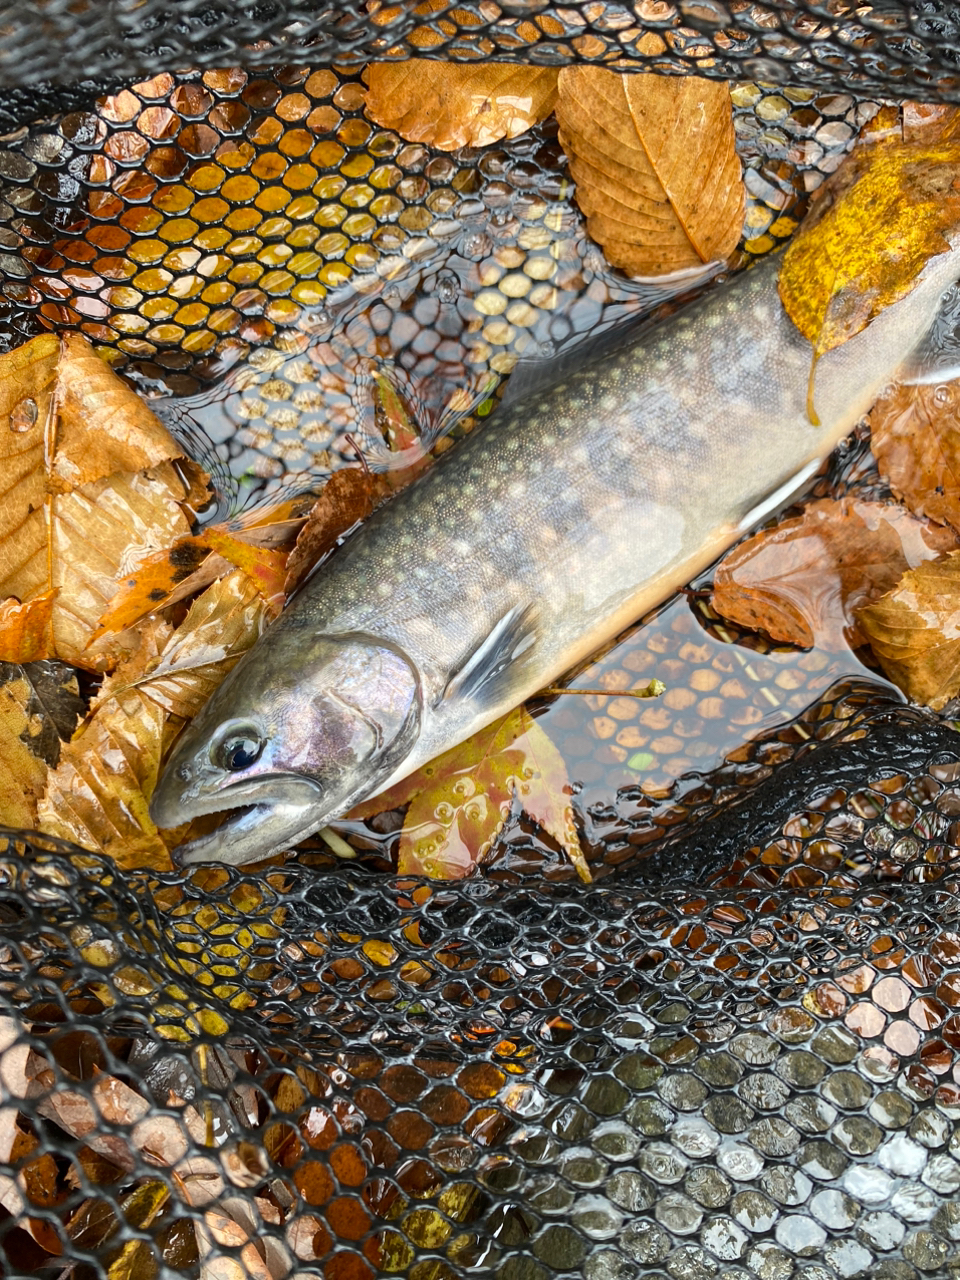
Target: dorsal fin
[[482, 669]]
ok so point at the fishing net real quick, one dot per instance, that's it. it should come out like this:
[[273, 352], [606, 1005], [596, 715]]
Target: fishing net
[[736, 1052]]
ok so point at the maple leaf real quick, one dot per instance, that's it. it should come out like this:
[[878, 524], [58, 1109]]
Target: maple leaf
[[803, 580], [459, 802]]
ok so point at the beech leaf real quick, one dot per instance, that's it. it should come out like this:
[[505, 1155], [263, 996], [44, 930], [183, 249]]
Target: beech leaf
[[99, 793], [88, 487], [802, 581], [868, 235], [914, 634], [348, 496], [449, 105], [915, 438], [655, 166], [459, 802]]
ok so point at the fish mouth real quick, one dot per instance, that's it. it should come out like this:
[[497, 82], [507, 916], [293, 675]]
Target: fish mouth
[[255, 828]]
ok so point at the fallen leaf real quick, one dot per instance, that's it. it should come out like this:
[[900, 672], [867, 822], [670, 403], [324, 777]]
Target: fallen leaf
[[449, 105], [39, 707], [655, 166], [218, 629], [869, 233], [915, 438], [914, 631], [803, 580], [151, 585], [459, 802], [349, 495], [266, 569], [99, 793], [25, 629], [88, 486]]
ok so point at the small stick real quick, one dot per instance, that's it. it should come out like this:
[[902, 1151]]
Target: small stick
[[653, 690], [336, 843]]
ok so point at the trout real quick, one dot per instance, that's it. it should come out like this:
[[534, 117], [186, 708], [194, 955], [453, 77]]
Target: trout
[[528, 546]]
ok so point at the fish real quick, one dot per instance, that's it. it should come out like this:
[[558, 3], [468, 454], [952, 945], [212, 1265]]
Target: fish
[[530, 544]]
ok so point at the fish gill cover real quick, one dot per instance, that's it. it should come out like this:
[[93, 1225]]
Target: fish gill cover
[[737, 1057]]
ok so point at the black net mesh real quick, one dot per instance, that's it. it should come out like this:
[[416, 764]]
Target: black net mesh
[[736, 1053]]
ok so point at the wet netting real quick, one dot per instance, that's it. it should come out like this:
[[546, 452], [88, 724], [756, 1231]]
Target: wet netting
[[736, 1053]]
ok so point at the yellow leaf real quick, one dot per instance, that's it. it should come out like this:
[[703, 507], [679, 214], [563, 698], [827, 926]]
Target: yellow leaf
[[913, 631], [39, 705], [98, 794], [655, 166], [460, 801], [220, 626], [449, 105], [868, 236]]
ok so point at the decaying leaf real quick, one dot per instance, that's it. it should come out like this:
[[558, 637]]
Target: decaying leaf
[[802, 581], [348, 496], [99, 793], [655, 166], [97, 796], [449, 105], [88, 486], [915, 438], [460, 801], [914, 633], [26, 629], [869, 233], [39, 707]]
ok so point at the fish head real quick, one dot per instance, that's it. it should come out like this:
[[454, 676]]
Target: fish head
[[303, 727]]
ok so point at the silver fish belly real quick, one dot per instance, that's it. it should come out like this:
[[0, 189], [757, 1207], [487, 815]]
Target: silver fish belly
[[526, 547]]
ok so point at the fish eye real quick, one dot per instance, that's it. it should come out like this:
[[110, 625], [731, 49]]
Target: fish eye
[[239, 749]]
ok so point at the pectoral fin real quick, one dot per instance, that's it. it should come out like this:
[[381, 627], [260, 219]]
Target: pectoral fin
[[490, 662]]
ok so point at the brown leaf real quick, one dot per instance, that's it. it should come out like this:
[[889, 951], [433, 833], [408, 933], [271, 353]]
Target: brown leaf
[[915, 438], [348, 496], [802, 581], [655, 165], [913, 631], [26, 629], [39, 706], [449, 105]]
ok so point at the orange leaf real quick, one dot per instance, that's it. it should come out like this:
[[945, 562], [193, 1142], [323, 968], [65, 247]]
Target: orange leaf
[[266, 569], [149, 586], [655, 164], [460, 801], [25, 629], [913, 631], [449, 105], [348, 496]]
